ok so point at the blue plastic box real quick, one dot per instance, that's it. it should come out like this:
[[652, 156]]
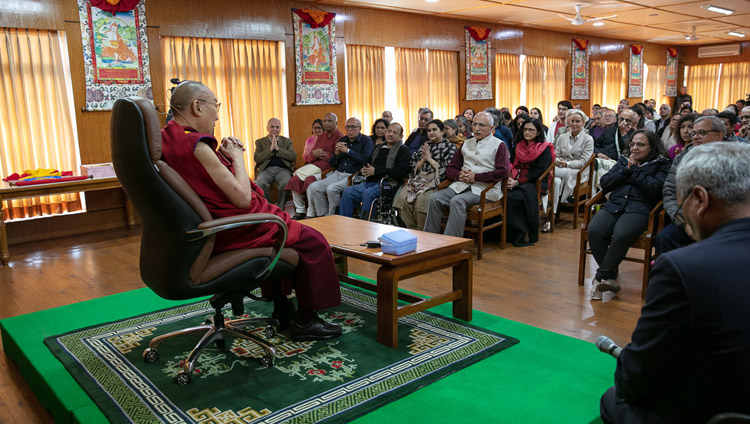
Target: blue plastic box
[[398, 242]]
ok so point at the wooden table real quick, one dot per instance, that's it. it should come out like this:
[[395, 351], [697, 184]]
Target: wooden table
[[434, 252], [8, 192]]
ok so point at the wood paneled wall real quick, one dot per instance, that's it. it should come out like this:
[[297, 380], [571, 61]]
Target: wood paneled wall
[[264, 20]]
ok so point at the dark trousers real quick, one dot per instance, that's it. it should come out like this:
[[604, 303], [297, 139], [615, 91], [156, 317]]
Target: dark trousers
[[670, 238], [610, 237], [615, 410]]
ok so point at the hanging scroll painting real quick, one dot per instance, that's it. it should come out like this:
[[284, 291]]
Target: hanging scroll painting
[[315, 57], [115, 51], [635, 74], [580, 72], [671, 90], [478, 64]]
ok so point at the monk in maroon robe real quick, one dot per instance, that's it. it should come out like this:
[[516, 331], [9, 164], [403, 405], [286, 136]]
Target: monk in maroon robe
[[218, 175]]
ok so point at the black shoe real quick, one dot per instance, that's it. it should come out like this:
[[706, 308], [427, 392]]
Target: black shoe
[[285, 316], [317, 329], [298, 216]]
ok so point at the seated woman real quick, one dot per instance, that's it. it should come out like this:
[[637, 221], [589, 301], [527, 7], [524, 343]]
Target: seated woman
[[515, 126], [667, 136], [635, 186], [452, 133], [682, 134], [536, 113], [317, 129], [464, 127], [533, 156], [378, 131], [218, 175], [573, 149], [428, 171]]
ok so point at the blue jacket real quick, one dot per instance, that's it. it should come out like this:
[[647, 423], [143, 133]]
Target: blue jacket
[[636, 189], [359, 154]]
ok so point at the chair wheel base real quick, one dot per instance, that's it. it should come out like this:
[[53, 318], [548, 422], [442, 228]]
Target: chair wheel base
[[269, 332], [266, 361], [150, 355], [183, 378]]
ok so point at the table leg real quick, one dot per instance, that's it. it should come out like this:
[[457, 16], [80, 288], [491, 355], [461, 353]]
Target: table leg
[[387, 306], [341, 264], [4, 255], [130, 210], [462, 280]]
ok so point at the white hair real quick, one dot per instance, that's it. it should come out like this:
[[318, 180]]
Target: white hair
[[719, 167], [576, 112]]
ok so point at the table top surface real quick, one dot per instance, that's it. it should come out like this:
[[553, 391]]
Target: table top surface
[[346, 234], [9, 192]]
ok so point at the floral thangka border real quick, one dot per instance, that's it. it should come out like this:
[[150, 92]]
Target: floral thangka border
[[315, 93], [635, 71], [101, 96], [671, 73], [478, 86], [579, 74]]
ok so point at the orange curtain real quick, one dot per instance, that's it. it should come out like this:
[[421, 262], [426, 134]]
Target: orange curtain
[[703, 85], [596, 82], [554, 84], [365, 90], [616, 84], [443, 81], [656, 84], [247, 77], [412, 84], [733, 83], [508, 81], [36, 115], [533, 76]]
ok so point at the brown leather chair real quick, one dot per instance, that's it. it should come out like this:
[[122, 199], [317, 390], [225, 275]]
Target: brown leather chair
[[645, 241], [178, 238], [549, 194]]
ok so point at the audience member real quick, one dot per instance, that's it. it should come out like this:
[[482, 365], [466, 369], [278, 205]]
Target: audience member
[[596, 125], [389, 160], [378, 131], [729, 119], [689, 353], [536, 113], [522, 110], [515, 125], [640, 120], [686, 109], [419, 135], [274, 156], [614, 140], [744, 130], [651, 103], [635, 184], [452, 133], [464, 126], [556, 128], [218, 175], [573, 149], [352, 152], [624, 104], [469, 114], [665, 114], [317, 129], [316, 162], [682, 136], [481, 160], [428, 166], [502, 132], [387, 116], [682, 98], [709, 112], [668, 138], [596, 108]]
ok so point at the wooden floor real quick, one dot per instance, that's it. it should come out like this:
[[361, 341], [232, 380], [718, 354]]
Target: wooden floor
[[534, 285]]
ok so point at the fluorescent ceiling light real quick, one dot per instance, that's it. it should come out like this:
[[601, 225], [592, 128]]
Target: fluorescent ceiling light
[[598, 23], [432, 1], [718, 9], [736, 34]]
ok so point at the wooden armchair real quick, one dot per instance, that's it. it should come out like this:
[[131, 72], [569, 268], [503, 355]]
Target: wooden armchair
[[549, 194], [584, 188], [645, 241]]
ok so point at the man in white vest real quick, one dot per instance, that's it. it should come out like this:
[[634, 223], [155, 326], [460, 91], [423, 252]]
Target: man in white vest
[[480, 161]]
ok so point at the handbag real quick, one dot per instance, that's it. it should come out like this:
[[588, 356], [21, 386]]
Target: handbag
[[307, 171]]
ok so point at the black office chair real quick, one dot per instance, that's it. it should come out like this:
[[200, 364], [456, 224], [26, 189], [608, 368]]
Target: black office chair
[[178, 238], [382, 210], [729, 418]]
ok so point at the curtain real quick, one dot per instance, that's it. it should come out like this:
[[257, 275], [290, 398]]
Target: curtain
[[443, 80], [554, 84], [247, 77], [365, 93], [36, 115], [656, 85], [596, 83], [615, 84], [533, 75], [733, 83], [412, 84], [702, 84], [508, 81]]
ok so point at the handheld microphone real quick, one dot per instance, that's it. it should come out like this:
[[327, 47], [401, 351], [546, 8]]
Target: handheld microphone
[[175, 81], [606, 345]]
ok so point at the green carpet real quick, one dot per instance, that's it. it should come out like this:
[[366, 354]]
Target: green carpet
[[547, 378]]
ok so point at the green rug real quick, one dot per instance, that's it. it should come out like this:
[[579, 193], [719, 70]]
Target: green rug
[[333, 381], [547, 378]]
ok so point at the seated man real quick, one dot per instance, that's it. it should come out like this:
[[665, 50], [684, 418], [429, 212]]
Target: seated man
[[390, 159], [220, 178], [419, 136], [689, 358], [614, 140], [275, 157], [481, 160], [351, 153]]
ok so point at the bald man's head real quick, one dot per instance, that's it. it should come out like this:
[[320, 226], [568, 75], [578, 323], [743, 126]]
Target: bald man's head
[[195, 105], [187, 92]]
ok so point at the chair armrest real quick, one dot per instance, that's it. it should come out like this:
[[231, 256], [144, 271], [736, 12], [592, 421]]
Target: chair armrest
[[214, 226], [598, 198], [483, 194], [350, 179], [654, 219], [542, 177], [589, 164], [445, 183], [326, 172]]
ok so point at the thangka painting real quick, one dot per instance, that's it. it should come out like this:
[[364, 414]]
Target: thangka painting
[[671, 90], [115, 51], [315, 57], [478, 64], [635, 74], [580, 73]]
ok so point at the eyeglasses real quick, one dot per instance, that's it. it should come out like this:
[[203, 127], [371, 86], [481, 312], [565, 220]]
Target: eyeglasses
[[351, 127], [216, 104], [479, 125], [529, 130], [679, 216], [700, 133], [626, 120], [638, 144]]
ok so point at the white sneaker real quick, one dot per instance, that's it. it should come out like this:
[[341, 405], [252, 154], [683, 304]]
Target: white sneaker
[[595, 294], [609, 285]]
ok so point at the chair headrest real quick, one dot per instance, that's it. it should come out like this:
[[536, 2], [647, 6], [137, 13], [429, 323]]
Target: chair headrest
[[153, 126]]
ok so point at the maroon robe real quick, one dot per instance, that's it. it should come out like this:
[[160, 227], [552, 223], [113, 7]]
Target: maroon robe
[[326, 142]]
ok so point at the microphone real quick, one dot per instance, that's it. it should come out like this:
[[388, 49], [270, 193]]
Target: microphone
[[606, 345], [175, 81]]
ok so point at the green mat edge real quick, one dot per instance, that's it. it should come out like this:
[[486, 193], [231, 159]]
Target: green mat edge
[[73, 405]]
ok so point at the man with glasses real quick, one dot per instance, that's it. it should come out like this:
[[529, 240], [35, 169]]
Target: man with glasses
[[275, 157], [351, 153], [706, 129], [419, 136], [614, 140], [665, 115], [481, 160], [558, 124], [689, 353]]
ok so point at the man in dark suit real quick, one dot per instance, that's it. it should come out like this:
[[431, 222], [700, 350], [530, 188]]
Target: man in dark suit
[[613, 140], [689, 357], [665, 115]]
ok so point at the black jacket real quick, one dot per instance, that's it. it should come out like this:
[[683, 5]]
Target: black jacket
[[605, 143], [636, 189]]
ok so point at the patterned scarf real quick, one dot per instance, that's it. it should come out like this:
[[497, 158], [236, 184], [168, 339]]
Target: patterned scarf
[[526, 153]]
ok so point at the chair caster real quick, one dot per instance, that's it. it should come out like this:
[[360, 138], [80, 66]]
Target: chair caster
[[183, 378], [269, 332], [267, 361], [150, 355]]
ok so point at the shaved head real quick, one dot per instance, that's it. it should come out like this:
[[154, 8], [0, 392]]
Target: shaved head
[[186, 93]]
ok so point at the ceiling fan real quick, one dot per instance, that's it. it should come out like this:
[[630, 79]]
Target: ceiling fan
[[691, 36], [578, 20]]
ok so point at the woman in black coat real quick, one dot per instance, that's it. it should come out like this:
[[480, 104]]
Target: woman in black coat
[[635, 186]]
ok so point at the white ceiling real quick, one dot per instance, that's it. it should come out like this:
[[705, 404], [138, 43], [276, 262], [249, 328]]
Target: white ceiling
[[656, 21]]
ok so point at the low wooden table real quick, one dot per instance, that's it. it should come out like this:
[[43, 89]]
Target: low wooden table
[[8, 192], [434, 252]]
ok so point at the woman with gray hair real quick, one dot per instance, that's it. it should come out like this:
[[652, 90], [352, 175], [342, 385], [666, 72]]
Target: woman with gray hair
[[573, 149]]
